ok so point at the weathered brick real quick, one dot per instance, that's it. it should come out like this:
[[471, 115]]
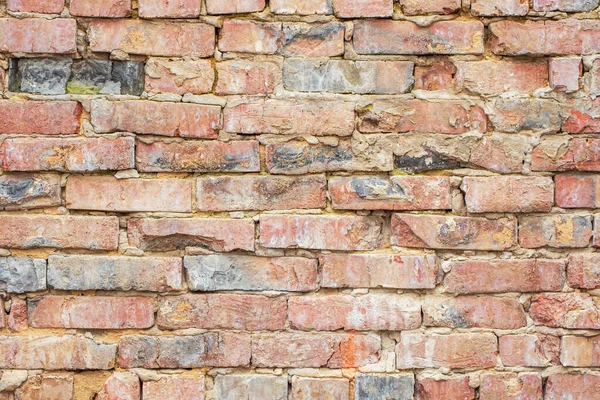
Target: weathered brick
[[565, 310], [313, 350], [233, 387], [64, 352], [39, 117], [103, 8], [166, 9], [372, 312], [83, 272], [380, 386], [122, 386], [390, 193], [418, 7], [447, 389], [211, 349], [583, 271], [313, 40], [321, 232], [152, 38], [417, 115], [494, 78], [511, 386], [91, 312], [59, 232], [326, 388], [572, 387], [473, 312], [106, 193], [457, 350], [577, 190], [531, 114], [379, 270], [244, 36], [21, 275], [22, 191], [38, 35], [529, 350], [580, 351], [520, 194], [439, 76], [17, 319], [345, 76], [498, 276], [157, 118], [247, 77], [67, 154], [238, 272], [234, 6], [166, 234], [495, 8], [222, 311], [43, 75], [404, 37], [448, 232], [198, 156], [582, 115], [565, 5], [558, 230], [301, 7], [565, 73], [320, 118], [46, 386], [229, 193], [363, 8], [34, 6], [179, 76], [561, 153], [181, 387]]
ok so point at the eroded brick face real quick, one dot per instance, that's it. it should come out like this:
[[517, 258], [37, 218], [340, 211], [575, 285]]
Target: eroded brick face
[[299, 200]]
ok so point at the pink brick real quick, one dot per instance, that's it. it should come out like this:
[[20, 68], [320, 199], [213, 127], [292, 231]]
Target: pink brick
[[38, 35], [179, 76], [419, 7], [168, 9], [529, 350], [446, 389], [565, 310], [301, 7], [247, 77], [511, 386], [234, 6], [494, 8], [584, 271], [573, 387], [363, 8], [180, 387], [250, 37], [497, 77], [39, 117], [46, 386], [34, 6], [120, 386], [565, 73], [101, 8], [577, 191]]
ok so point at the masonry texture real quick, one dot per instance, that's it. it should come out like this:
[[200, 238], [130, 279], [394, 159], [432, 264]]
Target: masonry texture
[[299, 200]]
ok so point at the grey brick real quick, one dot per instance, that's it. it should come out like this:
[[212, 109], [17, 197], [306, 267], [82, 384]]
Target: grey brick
[[384, 387], [21, 275]]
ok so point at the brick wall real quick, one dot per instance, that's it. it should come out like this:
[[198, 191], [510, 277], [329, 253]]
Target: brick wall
[[299, 199]]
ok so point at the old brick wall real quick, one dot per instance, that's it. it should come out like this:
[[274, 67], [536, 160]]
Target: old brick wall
[[299, 199]]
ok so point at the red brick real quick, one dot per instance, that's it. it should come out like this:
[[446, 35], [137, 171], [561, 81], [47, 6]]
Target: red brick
[[244, 36], [2, 317], [319, 118], [320, 232], [498, 276], [167, 9], [594, 80], [372, 312], [493, 78], [34, 6], [416, 115], [67, 154], [64, 352], [247, 77], [390, 193], [448, 232], [565, 5], [439, 76], [314, 350], [222, 311], [565, 73], [152, 38], [379, 270], [105, 193], [582, 115], [499, 7], [198, 156], [300, 7], [91, 312], [404, 37], [566, 154], [557, 230], [583, 271], [363, 8], [577, 191], [179, 76], [46, 386], [580, 351], [418, 7], [319, 389], [59, 232], [38, 35], [530, 350], [473, 312], [572, 387], [184, 387], [157, 118], [17, 319], [447, 389], [101, 8], [520, 194], [230, 193], [458, 350], [120, 386], [166, 234], [511, 386], [39, 117], [565, 310], [313, 40], [234, 6]]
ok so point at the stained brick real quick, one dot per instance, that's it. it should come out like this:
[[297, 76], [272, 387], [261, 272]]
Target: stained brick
[[565, 5], [518, 115], [576, 387], [499, 7], [46, 386], [311, 388], [120, 385], [439, 76], [580, 351], [446, 389], [560, 153], [179, 76], [247, 77], [569, 231], [232, 387], [529, 350], [418, 7], [244, 36], [583, 271], [21, 275], [182, 387], [363, 8], [19, 191], [565, 310], [577, 190], [313, 40], [388, 386], [565, 73], [494, 78], [511, 386], [301, 7]]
